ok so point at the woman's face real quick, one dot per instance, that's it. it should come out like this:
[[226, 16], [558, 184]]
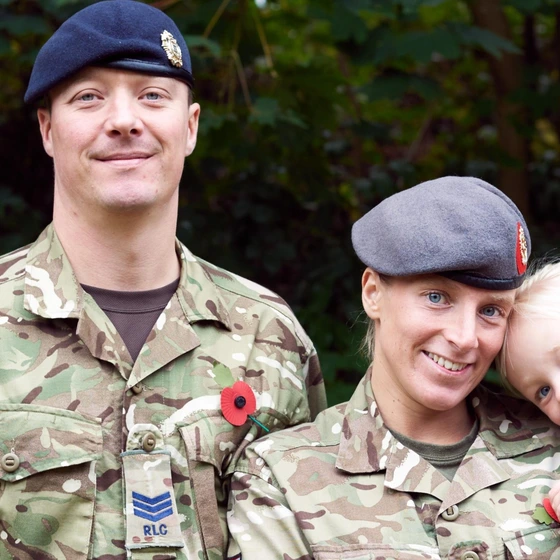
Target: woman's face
[[435, 338], [533, 362]]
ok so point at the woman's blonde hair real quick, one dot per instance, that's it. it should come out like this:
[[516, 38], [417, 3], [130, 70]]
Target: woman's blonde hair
[[537, 298]]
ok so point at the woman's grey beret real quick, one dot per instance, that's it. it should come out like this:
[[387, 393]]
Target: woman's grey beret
[[115, 33], [459, 227]]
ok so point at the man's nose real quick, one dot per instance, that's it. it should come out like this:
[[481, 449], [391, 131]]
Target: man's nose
[[123, 118]]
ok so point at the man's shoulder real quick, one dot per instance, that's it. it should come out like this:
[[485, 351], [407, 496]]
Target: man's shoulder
[[233, 286], [231, 282], [12, 282], [12, 264]]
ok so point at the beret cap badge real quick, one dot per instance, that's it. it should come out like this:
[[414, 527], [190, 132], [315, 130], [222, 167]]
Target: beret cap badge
[[521, 253], [172, 49]]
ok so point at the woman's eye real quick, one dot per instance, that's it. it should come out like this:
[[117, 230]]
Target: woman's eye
[[434, 297], [490, 311], [543, 392]]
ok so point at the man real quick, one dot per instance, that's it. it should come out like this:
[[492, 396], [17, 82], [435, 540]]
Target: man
[[132, 372]]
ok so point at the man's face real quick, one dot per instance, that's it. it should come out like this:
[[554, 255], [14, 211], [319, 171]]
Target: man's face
[[118, 140]]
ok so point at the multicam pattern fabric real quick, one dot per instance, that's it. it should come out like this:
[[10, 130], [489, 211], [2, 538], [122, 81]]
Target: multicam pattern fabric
[[71, 401], [344, 488]]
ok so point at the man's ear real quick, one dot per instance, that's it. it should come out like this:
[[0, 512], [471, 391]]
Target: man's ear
[[194, 115], [44, 117], [371, 293]]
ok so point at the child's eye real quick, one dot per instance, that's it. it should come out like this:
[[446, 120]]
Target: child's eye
[[543, 392], [435, 297]]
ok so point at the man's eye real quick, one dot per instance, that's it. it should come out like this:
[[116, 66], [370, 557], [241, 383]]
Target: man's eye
[[544, 391], [434, 297], [152, 96], [87, 97]]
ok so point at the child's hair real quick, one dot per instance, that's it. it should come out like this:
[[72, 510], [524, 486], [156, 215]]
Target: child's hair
[[537, 298]]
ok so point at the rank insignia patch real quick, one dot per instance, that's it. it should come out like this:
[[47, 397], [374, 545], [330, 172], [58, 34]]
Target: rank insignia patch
[[152, 509], [172, 49]]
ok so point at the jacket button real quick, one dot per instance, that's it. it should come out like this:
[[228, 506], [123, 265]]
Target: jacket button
[[469, 555], [450, 514], [137, 389], [149, 442], [10, 462]]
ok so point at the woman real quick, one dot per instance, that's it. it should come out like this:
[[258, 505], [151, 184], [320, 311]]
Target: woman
[[421, 462]]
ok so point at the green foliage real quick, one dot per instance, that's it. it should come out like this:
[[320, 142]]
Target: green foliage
[[312, 112]]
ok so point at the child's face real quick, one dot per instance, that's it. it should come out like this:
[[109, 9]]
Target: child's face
[[533, 362]]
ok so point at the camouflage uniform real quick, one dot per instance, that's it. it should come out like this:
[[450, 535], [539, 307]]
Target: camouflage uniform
[[71, 402], [344, 487]]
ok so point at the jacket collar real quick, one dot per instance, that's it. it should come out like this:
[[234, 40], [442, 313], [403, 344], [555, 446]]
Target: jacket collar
[[367, 445], [52, 290]]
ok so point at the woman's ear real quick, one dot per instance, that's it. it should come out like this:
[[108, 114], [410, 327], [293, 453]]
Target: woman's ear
[[371, 293]]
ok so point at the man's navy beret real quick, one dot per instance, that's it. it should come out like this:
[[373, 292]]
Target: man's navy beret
[[459, 227], [115, 33]]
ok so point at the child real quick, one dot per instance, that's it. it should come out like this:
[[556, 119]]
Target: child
[[529, 361]]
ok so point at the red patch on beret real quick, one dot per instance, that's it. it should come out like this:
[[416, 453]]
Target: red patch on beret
[[521, 255]]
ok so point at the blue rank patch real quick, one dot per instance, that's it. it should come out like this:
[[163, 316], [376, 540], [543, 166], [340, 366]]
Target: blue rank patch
[[152, 509]]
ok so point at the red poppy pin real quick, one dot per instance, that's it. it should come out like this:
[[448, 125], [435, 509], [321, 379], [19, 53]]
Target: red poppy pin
[[239, 403]]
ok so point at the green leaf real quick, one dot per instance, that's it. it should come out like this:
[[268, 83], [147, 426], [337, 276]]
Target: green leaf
[[395, 87], [526, 6], [490, 42], [4, 46], [223, 374], [22, 25], [194, 41], [540, 514], [420, 46], [291, 117], [412, 6], [347, 25], [265, 111]]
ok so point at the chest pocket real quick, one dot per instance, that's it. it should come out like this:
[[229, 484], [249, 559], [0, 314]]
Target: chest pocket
[[538, 545], [370, 552], [213, 446], [47, 481]]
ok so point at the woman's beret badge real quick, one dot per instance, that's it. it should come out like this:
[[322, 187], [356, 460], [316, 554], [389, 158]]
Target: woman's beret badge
[[521, 253], [172, 49]]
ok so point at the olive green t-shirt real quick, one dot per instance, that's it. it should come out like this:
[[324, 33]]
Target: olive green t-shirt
[[445, 458], [133, 313]]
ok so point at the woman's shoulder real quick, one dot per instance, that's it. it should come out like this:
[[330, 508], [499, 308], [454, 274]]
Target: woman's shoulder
[[322, 436], [510, 420]]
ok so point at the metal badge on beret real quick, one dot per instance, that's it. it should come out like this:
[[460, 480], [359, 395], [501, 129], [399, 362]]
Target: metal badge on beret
[[172, 49]]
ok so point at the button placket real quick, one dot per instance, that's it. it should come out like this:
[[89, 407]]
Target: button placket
[[137, 389], [451, 513]]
